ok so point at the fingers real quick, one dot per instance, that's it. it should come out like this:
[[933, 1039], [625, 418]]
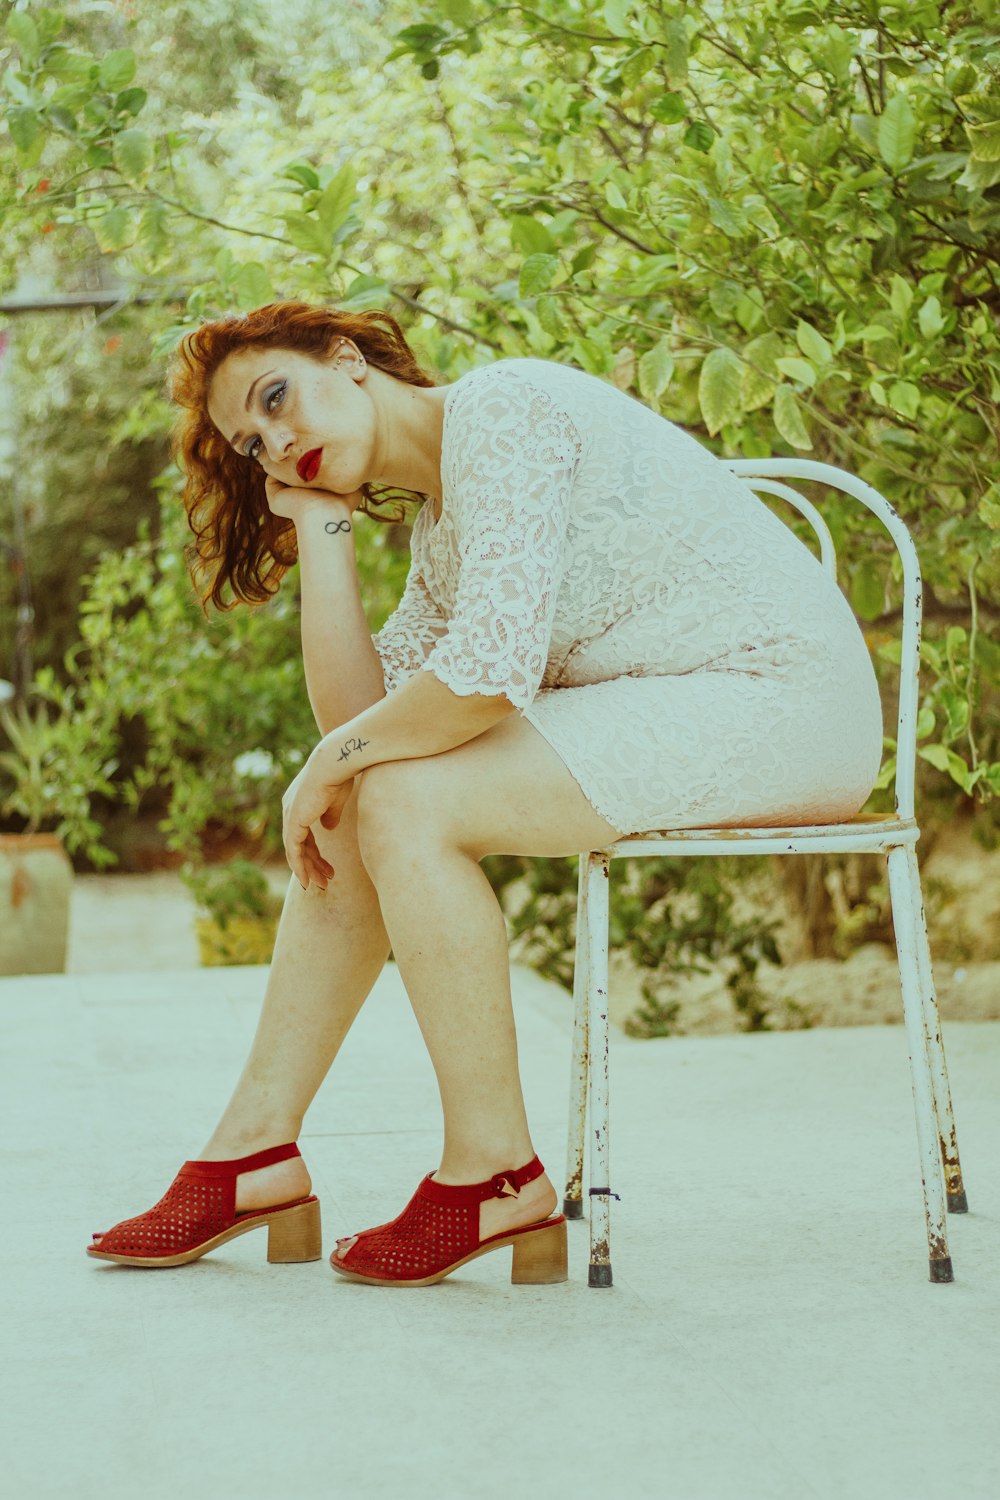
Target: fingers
[[305, 861]]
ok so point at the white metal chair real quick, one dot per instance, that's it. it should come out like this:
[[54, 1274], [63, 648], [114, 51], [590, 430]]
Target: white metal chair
[[895, 835]]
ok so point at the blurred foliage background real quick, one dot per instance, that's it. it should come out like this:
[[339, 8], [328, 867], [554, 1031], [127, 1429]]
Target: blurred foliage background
[[777, 224]]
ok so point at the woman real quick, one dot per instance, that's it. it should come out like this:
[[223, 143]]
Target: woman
[[603, 630]]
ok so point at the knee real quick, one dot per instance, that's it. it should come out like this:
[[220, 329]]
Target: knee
[[395, 801]]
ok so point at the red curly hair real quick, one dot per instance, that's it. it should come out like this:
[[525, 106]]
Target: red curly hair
[[239, 542]]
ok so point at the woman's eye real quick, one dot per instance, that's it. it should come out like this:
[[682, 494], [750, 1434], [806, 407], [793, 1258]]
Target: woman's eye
[[253, 451], [272, 399]]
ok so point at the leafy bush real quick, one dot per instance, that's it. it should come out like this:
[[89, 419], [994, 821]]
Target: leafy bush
[[777, 224]]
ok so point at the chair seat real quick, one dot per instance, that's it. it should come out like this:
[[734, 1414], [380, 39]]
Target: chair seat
[[865, 832]]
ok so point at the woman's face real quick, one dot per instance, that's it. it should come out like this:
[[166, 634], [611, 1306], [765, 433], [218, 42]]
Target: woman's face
[[274, 406]]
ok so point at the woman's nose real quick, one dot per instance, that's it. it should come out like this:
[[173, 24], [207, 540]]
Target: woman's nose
[[278, 448]]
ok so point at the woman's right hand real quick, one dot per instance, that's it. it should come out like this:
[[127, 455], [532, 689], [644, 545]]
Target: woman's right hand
[[291, 500]]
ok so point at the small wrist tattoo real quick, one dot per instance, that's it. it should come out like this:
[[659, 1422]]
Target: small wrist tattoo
[[334, 526], [350, 746]]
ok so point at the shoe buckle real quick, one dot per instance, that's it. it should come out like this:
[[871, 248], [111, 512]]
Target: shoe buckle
[[503, 1187]]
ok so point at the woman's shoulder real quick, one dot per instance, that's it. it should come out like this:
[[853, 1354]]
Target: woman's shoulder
[[508, 378]]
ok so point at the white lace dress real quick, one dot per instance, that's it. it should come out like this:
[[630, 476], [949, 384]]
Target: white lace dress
[[674, 642]]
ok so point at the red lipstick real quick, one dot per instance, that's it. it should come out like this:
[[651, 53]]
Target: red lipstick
[[308, 465]]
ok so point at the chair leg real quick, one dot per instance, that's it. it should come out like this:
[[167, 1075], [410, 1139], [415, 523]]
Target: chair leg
[[957, 1201], [905, 918], [573, 1200], [598, 911]]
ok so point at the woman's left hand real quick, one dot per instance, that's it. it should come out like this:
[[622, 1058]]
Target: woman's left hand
[[313, 797]]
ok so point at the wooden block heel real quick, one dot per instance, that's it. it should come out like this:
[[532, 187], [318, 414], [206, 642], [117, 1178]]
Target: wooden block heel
[[540, 1257], [295, 1235]]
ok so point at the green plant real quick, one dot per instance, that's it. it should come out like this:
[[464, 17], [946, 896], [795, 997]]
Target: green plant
[[52, 769], [673, 916], [227, 893]]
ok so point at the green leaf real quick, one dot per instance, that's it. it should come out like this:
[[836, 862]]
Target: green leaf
[[901, 297], [930, 318], [616, 16], [591, 356], [760, 370], [699, 136], [13, 84], [812, 343], [153, 233], [252, 286], [788, 417], [904, 397], [117, 69], [656, 368], [22, 30], [98, 156], [897, 133], [536, 275], [614, 195], [132, 152], [530, 236], [307, 233], [678, 49], [985, 141], [584, 258], [956, 706], [459, 12], [719, 384], [728, 217], [364, 292], [24, 126], [669, 109], [70, 67], [301, 171], [337, 200], [797, 369], [943, 759], [886, 775], [867, 591], [50, 23], [114, 230], [551, 318], [130, 101], [988, 508]]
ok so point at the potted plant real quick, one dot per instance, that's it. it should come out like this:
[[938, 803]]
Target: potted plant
[[49, 769], [240, 912]]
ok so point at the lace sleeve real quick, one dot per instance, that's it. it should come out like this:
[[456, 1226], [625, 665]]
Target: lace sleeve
[[409, 632], [514, 457]]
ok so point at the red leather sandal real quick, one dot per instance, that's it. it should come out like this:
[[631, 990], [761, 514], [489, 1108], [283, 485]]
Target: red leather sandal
[[438, 1231], [197, 1213]]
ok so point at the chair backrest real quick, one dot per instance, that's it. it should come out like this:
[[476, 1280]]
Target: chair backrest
[[762, 474]]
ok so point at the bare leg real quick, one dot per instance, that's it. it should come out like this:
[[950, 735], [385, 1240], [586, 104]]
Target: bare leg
[[506, 791], [331, 948]]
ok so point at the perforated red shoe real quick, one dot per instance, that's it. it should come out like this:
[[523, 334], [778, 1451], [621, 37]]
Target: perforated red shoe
[[198, 1213], [438, 1231]]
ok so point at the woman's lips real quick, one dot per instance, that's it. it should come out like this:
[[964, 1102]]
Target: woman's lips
[[308, 465]]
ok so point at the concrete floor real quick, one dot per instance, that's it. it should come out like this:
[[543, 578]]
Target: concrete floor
[[771, 1333]]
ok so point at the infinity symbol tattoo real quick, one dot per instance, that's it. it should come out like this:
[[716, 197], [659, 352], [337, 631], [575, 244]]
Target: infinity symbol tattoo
[[334, 526]]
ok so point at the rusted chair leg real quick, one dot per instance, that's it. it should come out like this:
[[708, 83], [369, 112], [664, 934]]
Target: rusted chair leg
[[598, 881], [905, 917], [573, 1200], [958, 1203]]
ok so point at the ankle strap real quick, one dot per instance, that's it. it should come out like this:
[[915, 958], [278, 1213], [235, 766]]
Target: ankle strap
[[265, 1158], [469, 1194]]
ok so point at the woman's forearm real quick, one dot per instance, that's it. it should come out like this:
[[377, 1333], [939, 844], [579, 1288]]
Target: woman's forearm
[[422, 717], [342, 667]]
